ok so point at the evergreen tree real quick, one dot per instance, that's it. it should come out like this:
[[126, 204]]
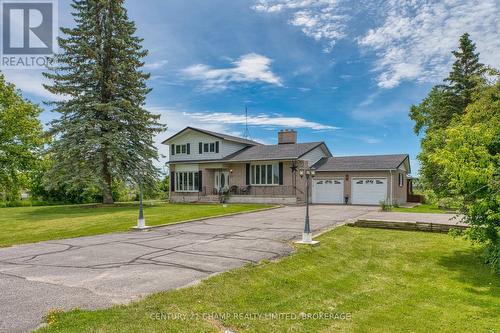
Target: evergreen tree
[[443, 104], [466, 70], [104, 133]]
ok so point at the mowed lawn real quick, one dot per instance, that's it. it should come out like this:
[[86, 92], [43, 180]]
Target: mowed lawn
[[33, 224], [424, 208], [383, 280]]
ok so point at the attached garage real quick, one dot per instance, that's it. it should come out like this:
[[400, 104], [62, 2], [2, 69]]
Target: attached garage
[[368, 191], [363, 180], [328, 191]]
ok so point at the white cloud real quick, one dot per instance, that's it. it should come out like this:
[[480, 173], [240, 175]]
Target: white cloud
[[30, 82], [177, 120], [259, 120], [155, 64], [250, 67], [416, 38], [322, 20]]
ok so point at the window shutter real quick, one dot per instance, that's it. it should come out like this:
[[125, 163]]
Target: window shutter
[[247, 174], [217, 147], [280, 172], [172, 149], [200, 181], [188, 148], [200, 148], [172, 181]]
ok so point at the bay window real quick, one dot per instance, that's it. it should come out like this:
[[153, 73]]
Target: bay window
[[187, 181], [264, 174]]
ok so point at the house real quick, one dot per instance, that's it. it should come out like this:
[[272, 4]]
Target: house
[[206, 165]]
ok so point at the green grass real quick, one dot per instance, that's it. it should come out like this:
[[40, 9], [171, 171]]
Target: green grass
[[424, 208], [33, 224], [387, 280]]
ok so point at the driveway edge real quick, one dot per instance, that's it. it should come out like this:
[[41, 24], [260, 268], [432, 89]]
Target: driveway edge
[[204, 218]]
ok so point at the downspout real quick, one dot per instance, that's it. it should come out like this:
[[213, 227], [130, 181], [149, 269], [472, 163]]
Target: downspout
[[390, 172]]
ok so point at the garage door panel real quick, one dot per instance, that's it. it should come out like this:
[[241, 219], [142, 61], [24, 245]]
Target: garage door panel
[[328, 191], [368, 191]]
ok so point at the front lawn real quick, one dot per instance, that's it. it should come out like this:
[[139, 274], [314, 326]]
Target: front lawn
[[423, 208], [33, 224], [376, 280]]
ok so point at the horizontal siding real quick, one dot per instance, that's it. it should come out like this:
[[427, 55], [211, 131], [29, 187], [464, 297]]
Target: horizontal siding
[[194, 138], [314, 155]]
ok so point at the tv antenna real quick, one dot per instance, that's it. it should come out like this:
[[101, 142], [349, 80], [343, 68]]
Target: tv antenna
[[246, 134]]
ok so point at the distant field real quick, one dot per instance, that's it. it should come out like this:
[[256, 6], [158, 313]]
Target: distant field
[[33, 224]]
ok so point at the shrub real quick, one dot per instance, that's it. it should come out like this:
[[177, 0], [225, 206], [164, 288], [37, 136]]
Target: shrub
[[429, 197], [492, 256], [385, 206]]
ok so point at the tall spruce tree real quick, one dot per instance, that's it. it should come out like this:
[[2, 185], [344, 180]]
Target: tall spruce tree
[[104, 132], [466, 70], [444, 103]]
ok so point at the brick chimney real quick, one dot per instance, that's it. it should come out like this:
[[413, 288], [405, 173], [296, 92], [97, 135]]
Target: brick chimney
[[287, 136]]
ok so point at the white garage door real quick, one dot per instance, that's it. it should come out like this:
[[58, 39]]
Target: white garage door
[[368, 191], [328, 191]]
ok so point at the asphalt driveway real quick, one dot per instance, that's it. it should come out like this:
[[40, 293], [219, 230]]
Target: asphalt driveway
[[99, 271]]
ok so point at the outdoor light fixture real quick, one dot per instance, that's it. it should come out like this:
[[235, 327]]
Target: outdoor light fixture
[[307, 234], [141, 222]]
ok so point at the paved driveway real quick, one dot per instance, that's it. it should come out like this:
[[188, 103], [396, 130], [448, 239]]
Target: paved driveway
[[99, 271]]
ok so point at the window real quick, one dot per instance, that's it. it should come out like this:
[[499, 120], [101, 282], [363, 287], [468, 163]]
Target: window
[[212, 147], [205, 148], [401, 178], [264, 174], [182, 149], [187, 181]]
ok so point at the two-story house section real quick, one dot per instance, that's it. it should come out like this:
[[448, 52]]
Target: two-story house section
[[204, 165]]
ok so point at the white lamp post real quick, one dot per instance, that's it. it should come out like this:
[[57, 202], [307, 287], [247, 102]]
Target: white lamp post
[[307, 235]]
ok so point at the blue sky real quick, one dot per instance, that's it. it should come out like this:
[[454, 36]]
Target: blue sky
[[338, 71]]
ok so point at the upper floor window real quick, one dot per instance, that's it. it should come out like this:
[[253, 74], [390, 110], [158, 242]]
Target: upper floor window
[[264, 174], [212, 147], [181, 149]]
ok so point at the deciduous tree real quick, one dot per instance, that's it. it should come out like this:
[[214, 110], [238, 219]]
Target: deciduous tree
[[21, 139]]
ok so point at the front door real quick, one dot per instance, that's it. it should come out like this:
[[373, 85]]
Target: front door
[[221, 180]]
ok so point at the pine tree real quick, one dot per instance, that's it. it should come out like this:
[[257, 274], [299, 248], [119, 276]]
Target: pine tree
[[466, 71], [104, 133]]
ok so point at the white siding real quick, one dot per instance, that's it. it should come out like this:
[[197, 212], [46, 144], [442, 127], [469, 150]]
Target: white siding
[[314, 155], [194, 138], [186, 167]]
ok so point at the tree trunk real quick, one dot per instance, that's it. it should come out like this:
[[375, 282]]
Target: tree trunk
[[107, 195]]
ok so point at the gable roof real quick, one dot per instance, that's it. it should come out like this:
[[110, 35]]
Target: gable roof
[[362, 163], [215, 134], [274, 152]]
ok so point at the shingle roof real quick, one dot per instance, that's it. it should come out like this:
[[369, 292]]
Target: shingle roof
[[218, 135], [360, 163], [273, 152]]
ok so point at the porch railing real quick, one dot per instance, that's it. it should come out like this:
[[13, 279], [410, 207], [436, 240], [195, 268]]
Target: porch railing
[[280, 190]]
